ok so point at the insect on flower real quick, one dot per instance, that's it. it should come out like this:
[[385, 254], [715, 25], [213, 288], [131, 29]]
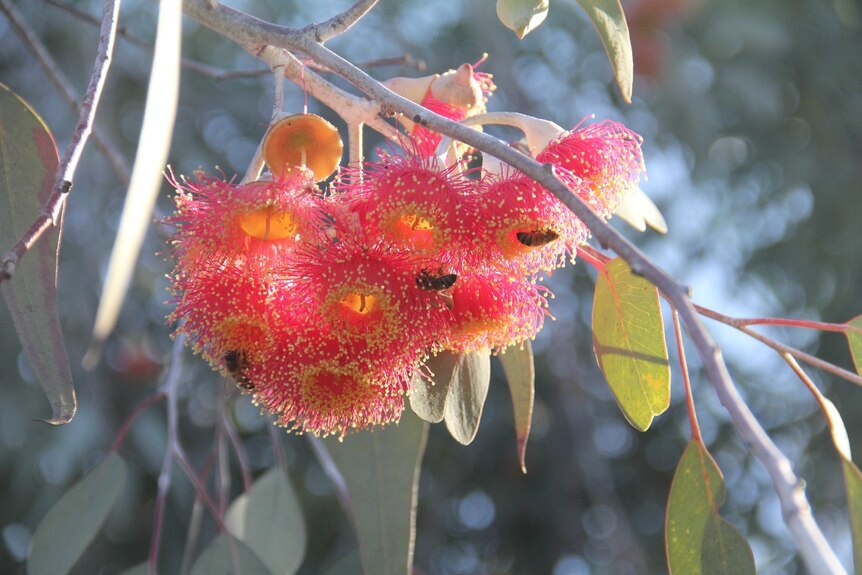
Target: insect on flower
[[439, 282], [236, 362], [536, 238]]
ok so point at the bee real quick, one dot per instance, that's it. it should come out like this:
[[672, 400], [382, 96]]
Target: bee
[[537, 238], [439, 282], [235, 362]]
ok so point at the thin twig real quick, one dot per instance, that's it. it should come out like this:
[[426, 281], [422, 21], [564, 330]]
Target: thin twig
[[339, 23], [331, 470], [53, 208], [252, 33], [780, 347], [683, 365], [139, 409], [239, 451]]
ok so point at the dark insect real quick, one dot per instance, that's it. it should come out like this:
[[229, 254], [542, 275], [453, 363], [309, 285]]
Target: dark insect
[[429, 282], [236, 362], [537, 238]]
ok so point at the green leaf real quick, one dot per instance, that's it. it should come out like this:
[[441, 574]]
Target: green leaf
[[73, 522], [218, 559], [269, 520], [347, 565], [467, 395], [28, 162], [855, 341], [628, 339], [522, 16], [610, 22], [696, 493], [139, 569], [725, 551], [521, 374], [146, 179], [698, 540], [381, 470], [853, 478], [428, 397]]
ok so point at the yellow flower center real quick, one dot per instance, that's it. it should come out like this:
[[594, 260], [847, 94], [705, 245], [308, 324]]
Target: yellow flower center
[[362, 304], [267, 224]]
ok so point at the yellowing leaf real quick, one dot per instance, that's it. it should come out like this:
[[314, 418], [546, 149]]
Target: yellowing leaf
[[521, 374], [855, 341], [522, 16], [853, 478], [381, 470], [628, 339], [610, 22], [28, 162]]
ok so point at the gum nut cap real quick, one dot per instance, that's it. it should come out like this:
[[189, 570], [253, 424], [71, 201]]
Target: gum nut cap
[[303, 140]]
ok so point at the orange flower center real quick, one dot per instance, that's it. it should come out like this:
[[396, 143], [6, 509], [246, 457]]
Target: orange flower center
[[359, 303], [267, 224]]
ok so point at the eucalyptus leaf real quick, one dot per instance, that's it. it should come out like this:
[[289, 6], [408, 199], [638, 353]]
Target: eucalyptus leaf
[[219, 559], [855, 341], [467, 394], [269, 520], [853, 478], [380, 468], [610, 22], [629, 343], [522, 16], [520, 373], [428, 396], [74, 521], [139, 569], [28, 162], [724, 550]]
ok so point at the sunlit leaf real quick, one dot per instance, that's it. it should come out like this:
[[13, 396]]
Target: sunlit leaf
[[522, 16], [725, 551], [855, 341], [628, 339], [269, 520], [639, 211], [28, 162], [610, 22], [521, 374], [853, 478], [695, 494], [73, 522], [219, 559], [467, 395], [146, 179], [428, 397], [381, 470]]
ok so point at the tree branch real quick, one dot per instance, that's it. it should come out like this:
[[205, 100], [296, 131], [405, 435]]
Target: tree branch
[[249, 31], [53, 208]]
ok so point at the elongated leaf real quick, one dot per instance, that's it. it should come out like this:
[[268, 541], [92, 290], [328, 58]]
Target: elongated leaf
[[695, 494], [217, 559], [853, 478], [139, 569], [725, 551], [428, 398], [269, 520], [153, 145], [28, 162], [381, 471], [628, 339], [521, 374], [855, 341], [467, 395], [522, 16], [73, 522], [610, 22]]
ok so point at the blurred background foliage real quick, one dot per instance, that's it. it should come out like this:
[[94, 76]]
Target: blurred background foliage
[[752, 119]]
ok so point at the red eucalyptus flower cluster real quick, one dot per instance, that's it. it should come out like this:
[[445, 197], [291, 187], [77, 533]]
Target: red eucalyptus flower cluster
[[323, 307]]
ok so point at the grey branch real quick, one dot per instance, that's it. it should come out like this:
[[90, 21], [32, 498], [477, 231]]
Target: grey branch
[[249, 31], [53, 208]]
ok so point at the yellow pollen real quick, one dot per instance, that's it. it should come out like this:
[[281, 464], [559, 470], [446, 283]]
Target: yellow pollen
[[416, 222], [267, 224]]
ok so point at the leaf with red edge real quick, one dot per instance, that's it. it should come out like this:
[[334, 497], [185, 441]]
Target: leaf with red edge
[[855, 340], [520, 372], [628, 339], [28, 162]]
